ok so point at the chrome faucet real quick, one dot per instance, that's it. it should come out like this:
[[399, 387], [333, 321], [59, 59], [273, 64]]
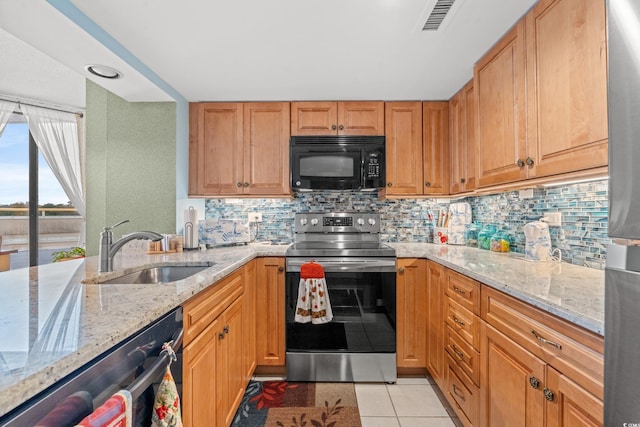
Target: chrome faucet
[[108, 248]]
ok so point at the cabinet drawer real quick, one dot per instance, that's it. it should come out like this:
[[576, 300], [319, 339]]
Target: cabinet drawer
[[205, 307], [464, 290], [575, 352], [467, 357], [465, 323], [463, 395]]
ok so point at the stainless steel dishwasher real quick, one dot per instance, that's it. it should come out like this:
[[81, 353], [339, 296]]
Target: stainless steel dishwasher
[[135, 364]]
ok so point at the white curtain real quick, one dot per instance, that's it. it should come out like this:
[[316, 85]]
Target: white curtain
[[56, 135], [6, 110]]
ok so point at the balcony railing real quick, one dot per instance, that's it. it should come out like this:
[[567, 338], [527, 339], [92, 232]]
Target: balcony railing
[[41, 211]]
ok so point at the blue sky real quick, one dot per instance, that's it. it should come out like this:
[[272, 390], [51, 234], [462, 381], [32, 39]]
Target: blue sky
[[14, 169]]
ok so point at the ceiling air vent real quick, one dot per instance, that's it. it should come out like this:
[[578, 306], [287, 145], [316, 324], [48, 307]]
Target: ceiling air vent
[[437, 15]]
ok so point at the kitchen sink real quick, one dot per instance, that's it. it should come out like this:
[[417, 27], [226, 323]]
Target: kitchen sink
[[158, 275]]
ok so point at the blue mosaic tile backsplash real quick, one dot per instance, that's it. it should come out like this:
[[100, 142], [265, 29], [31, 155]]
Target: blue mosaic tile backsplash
[[582, 238]]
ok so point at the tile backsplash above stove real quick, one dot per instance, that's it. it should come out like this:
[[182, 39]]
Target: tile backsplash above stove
[[582, 237]]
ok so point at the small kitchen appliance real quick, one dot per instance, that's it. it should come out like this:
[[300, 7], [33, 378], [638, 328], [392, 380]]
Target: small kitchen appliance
[[538, 241], [359, 343]]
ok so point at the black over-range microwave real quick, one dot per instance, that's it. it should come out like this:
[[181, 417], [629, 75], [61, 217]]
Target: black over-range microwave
[[343, 162]]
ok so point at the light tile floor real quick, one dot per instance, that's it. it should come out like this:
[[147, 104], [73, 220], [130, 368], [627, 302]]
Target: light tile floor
[[410, 402]]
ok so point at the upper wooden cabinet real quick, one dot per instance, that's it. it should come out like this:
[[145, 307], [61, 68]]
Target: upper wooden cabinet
[[499, 82], [542, 97], [566, 86], [337, 118], [403, 131], [462, 136], [239, 149], [435, 147]]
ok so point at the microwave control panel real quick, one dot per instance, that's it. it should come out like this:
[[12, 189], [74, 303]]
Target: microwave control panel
[[373, 166]]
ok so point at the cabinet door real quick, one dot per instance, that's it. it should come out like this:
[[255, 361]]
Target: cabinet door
[[249, 319], [457, 132], [435, 147], [570, 405], [219, 149], [499, 79], [270, 309], [314, 118], [512, 381], [201, 377], [436, 322], [266, 148], [361, 118], [403, 130], [567, 85], [230, 363], [470, 167], [411, 297]]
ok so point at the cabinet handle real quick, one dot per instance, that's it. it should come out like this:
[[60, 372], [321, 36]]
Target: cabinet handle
[[238, 184], [333, 127], [221, 335], [226, 330], [246, 184], [341, 127], [457, 393], [459, 290], [458, 352], [427, 184], [535, 383], [546, 341], [520, 163], [389, 184], [462, 180], [458, 321], [529, 161], [401, 270], [548, 394], [281, 269]]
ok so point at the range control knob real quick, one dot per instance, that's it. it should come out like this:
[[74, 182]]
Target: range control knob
[[360, 221], [314, 221], [303, 221], [371, 221]]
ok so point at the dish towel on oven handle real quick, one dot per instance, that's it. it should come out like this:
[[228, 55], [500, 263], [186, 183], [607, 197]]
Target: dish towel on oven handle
[[115, 412], [313, 297]]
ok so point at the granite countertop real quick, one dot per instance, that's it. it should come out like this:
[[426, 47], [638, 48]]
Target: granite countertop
[[569, 291], [52, 323]]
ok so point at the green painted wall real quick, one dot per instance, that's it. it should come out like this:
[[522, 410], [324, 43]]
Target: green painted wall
[[130, 165]]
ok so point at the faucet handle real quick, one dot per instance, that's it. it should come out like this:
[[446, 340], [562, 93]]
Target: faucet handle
[[114, 226]]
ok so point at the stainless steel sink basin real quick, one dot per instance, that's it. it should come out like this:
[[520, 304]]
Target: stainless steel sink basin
[[157, 275]]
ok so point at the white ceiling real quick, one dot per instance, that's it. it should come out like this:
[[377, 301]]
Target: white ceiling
[[272, 50]]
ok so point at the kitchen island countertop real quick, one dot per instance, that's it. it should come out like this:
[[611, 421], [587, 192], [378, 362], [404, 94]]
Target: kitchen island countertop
[[39, 303]]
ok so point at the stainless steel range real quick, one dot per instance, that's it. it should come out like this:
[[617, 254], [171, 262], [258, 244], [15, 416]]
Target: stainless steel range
[[359, 343]]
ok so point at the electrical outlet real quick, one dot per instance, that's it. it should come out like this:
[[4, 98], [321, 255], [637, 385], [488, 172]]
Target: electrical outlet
[[553, 218], [255, 217]]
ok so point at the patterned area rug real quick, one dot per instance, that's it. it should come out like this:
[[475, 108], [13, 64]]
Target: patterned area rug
[[298, 404]]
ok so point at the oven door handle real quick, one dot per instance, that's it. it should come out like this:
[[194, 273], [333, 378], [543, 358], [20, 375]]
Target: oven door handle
[[382, 265]]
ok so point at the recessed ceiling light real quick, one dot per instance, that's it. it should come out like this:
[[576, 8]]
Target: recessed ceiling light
[[103, 71]]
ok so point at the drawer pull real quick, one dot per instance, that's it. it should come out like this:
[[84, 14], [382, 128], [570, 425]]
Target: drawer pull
[[457, 352], [546, 341], [535, 383], [458, 321], [458, 393], [459, 290], [548, 394]]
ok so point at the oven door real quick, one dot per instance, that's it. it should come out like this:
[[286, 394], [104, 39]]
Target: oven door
[[362, 295], [326, 167]]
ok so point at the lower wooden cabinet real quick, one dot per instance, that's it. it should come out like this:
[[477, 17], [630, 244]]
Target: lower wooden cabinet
[[214, 372], [270, 313], [436, 277], [411, 297], [249, 316], [572, 405]]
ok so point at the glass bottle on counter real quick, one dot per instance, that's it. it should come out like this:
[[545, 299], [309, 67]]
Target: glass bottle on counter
[[500, 241], [484, 237], [471, 235]]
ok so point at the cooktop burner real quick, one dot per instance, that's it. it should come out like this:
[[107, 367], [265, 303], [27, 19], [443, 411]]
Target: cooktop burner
[[338, 234]]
